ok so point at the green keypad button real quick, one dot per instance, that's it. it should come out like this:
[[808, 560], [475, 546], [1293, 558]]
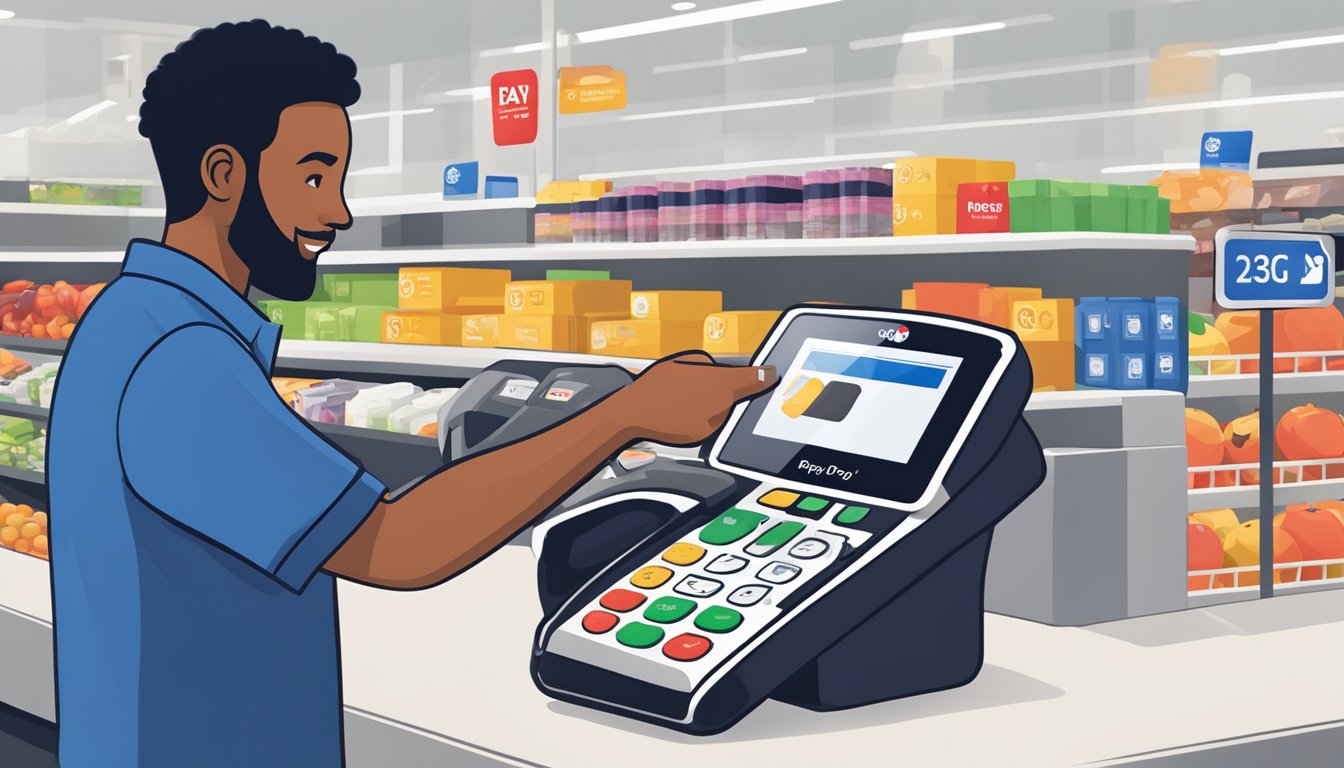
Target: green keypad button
[[666, 610], [717, 618], [731, 526], [813, 504], [775, 538], [638, 635], [851, 515]]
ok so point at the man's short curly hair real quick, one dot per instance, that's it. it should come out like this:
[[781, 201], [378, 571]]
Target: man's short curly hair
[[228, 85]]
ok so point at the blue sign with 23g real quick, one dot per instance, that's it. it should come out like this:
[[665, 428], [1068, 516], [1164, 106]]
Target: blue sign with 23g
[[1274, 270]]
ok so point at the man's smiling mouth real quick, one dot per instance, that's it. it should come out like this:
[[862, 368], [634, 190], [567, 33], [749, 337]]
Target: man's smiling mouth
[[314, 242]]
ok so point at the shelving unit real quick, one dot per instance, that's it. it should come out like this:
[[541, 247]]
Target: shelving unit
[[1289, 490]]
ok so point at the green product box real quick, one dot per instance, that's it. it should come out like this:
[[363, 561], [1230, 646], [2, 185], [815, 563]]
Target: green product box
[[111, 195], [1108, 206], [577, 274], [362, 322], [1028, 205], [289, 315], [15, 430], [1068, 207], [371, 289], [1140, 208], [1162, 226], [65, 194], [320, 322]]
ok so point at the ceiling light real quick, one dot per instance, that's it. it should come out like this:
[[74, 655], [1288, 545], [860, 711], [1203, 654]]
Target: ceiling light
[[6, 14], [697, 19], [945, 32], [679, 7], [479, 93], [132, 118], [1282, 45], [122, 57], [85, 114], [784, 162], [663, 69], [392, 113], [524, 48], [724, 108], [1149, 167], [772, 54]]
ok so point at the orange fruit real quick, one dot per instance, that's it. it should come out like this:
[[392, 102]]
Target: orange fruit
[[7, 509], [8, 535], [40, 544], [16, 519], [29, 530], [23, 545], [24, 509], [41, 518], [67, 330]]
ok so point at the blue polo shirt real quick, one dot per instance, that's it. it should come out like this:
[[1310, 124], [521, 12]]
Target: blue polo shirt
[[191, 510]]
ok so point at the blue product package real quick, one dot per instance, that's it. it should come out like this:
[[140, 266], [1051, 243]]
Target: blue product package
[[501, 186], [461, 179], [1134, 320], [1226, 149], [1171, 346], [1096, 341]]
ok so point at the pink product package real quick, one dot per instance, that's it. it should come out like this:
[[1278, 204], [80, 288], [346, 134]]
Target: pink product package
[[708, 212], [865, 202], [611, 217], [821, 204], [583, 223], [674, 210], [642, 214], [774, 207], [735, 209]]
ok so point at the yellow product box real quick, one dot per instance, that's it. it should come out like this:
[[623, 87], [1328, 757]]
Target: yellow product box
[[553, 333], [583, 328], [566, 297], [453, 290], [737, 333], [1042, 320], [480, 330], [996, 303], [932, 175], [908, 299], [1051, 365], [995, 170], [559, 192], [675, 305], [422, 328], [644, 338], [924, 215]]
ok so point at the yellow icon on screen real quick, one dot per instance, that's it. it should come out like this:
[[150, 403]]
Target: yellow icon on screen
[[801, 393]]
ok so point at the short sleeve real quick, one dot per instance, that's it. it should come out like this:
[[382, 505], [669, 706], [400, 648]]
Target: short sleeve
[[207, 442]]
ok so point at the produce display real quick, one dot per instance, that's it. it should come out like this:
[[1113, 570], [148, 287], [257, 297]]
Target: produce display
[[1217, 539], [1300, 331], [24, 530], [23, 445], [1305, 434], [44, 311]]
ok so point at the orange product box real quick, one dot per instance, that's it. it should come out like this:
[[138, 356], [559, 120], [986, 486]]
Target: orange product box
[[1040, 320], [996, 303], [1183, 69], [566, 297], [908, 299], [452, 290], [422, 328], [736, 333], [924, 214], [480, 330], [932, 176], [1051, 364], [544, 332], [582, 334], [958, 299], [675, 305], [995, 170], [644, 338]]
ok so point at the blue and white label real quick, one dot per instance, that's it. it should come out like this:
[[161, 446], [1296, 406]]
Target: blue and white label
[[461, 179], [1274, 270], [1226, 149]]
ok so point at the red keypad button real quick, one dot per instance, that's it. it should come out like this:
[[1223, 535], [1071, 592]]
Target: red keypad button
[[622, 600], [598, 622], [687, 647]]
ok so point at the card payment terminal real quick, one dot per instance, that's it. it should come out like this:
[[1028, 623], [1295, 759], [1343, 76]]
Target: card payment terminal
[[847, 567]]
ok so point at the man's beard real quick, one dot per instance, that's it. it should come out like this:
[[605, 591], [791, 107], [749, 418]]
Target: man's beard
[[273, 257]]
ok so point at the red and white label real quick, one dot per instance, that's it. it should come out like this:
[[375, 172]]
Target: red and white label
[[513, 99], [982, 207]]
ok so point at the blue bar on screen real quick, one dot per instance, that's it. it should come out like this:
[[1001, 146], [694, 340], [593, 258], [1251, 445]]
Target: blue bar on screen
[[893, 371]]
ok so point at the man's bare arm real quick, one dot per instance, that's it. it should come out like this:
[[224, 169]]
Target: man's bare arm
[[460, 514]]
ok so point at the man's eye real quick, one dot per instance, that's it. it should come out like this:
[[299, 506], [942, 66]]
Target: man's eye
[[314, 181]]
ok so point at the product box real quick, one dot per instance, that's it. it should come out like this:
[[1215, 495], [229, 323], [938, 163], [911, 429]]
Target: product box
[[932, 176], [361, 322], [1132, 343], [924, 214], [642, 214], [480, 330], [543, 332], [1043, 205], [577, 274], [1163, 217], [289, 315], [708, 203], [1108, 208], [675, 305], [1134, 317], [566, 297], [583, 222], [320, 323], [995, 170], [402, 327], [865, 202], [376, 290], [957, 299], [1171, 345], [644, 338], [1141, 208], [613, 217], [1044, 320], [996, 303], [1052, 365], [572, 191], [456, 290], [982, 207], [582, 334], [908, 299], [674, 210], [737, 334], [773, 207]]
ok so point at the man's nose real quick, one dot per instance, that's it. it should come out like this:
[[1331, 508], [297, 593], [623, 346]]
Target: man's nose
[[338, 214]]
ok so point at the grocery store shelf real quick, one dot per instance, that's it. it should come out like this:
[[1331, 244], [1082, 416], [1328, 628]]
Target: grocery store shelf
[[23, 475], [417, 360], [81, 210], [30, 344], [869, 246], [35, 412], [395, 205], [1248, 496], [1248, 384]]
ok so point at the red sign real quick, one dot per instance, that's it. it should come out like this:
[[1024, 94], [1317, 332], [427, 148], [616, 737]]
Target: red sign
[[513, 99], [982, 207]]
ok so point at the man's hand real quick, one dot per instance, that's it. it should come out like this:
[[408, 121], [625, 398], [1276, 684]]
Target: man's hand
[[684, 399]]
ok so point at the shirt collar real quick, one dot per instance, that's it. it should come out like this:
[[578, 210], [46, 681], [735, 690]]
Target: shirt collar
[[156, 261]]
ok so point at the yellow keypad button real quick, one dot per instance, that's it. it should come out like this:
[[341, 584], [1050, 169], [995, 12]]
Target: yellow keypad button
[[651, 577], [683, 553], [779, 499]]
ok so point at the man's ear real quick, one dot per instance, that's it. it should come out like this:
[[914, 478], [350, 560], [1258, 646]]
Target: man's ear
[[223, 173]]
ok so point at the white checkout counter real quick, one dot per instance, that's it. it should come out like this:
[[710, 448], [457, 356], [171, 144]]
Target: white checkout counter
[[440, 677]]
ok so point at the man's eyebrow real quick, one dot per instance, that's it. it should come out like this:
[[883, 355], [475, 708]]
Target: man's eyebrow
[[325, 158]]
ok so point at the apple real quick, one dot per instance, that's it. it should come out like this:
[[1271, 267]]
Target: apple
[[1319, 535], [1220, 520], [1241, 548], [1204, 553], [1307, 432]]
